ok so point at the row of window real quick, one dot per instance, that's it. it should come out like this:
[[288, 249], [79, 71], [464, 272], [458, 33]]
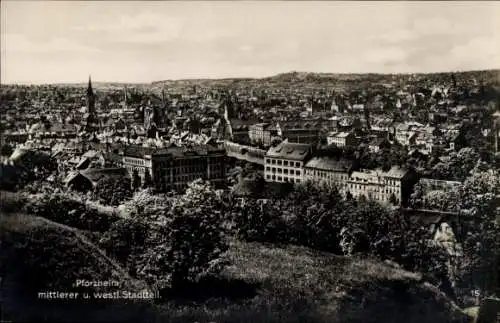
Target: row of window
[[192, 169], [134, 161], [283, 171], [282, 179], [369, 188], [329, 175], [280, 162]]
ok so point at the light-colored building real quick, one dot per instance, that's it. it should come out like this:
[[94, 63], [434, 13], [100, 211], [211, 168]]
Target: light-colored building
[[327, 169], [375, 145], [341, 139], [174, 168], [285, 162], [378, 185], [261, 133]]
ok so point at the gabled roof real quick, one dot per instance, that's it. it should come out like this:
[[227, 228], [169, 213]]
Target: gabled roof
[[96, 174], [330, 164], [287, 150], [395, 172]]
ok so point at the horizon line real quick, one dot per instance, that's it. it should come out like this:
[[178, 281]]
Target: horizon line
[[248, 77]]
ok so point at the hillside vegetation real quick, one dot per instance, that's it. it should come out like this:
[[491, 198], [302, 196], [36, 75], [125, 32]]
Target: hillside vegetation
[[261, 284]]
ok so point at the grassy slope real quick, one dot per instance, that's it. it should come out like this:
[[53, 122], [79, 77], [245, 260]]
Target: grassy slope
[[68, 248], [265, 284], [295, 284]]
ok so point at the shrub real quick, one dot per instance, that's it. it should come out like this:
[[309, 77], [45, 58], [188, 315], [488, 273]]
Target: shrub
[[144, 201], [173, 243], [113, 191], [66, 210], [257, 220]]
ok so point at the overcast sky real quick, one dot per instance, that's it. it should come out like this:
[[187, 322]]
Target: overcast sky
[[56, 41]]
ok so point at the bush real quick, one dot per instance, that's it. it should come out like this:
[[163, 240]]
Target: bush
[[174, 243], [113, 191], [144, 202], [256, 220], [316, 216], [65, 210]]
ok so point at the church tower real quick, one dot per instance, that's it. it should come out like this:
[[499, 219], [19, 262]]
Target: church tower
[[90, 98], [90, 119]]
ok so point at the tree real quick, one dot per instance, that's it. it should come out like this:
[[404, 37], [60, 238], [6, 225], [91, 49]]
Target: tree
[[148, 182], [185, 241], [136, 180], [477, 269], [393, 199], [6, 150], [112, 190]]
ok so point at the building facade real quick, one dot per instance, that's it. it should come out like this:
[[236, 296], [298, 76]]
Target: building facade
[[261, 133], [379, 185], [174, 168], [341, 139], [284, 163], [299, 132], [330, 170]]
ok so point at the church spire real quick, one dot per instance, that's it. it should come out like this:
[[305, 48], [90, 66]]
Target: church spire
[[89, 88], [90, 98]]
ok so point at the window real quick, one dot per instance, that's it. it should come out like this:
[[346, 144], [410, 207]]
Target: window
[[285, 163], [274, 169], [279, 162], [285, 171], [297, 164], [273, 161], [297, 172], [268, 168], [280, 178], [280, 171], [273, 177], [268, 177]]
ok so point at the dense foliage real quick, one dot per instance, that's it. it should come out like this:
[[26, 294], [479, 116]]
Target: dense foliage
[[70, 211], [113, 191], [316, 216], [170, 243]]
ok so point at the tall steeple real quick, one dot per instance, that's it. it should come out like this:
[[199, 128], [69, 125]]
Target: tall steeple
[[90, 98], [90, 121]]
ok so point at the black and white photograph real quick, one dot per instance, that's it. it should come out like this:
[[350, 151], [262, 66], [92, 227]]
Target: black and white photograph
[[250, 161]]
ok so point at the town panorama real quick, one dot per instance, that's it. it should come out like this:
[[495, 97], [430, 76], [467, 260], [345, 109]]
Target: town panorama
[[167, 182]]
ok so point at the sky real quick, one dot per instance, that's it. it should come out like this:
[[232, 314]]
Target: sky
[[126, 41]]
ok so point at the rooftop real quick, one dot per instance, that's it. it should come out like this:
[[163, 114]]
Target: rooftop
[[287, 150], [330, 164], [173, 151]]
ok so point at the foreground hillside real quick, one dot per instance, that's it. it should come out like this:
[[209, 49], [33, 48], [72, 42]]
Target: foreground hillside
[[262, 284]]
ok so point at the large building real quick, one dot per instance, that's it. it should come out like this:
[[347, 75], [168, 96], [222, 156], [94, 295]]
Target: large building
[[174, 168], [341, 139], [285, 162], [334, 171], [299, 131], [383, 186], [262, 133]]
